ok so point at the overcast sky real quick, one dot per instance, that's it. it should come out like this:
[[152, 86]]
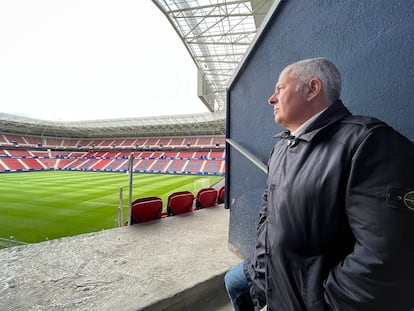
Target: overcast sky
[[92, 59]]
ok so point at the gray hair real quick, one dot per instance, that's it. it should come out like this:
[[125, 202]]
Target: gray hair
[[320, 67]]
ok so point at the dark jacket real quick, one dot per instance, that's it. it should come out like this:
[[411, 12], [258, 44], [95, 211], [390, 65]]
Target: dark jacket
[[336, 229]]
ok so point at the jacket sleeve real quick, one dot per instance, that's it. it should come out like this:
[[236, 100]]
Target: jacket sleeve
[[379, 203], [254, 267]]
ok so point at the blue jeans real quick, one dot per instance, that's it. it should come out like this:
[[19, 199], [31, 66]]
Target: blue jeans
[[238, 289]]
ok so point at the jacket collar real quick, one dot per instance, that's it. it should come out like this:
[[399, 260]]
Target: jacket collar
[[334, 113]]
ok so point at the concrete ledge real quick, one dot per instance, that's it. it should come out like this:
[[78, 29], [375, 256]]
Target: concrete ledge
[[168, 264]]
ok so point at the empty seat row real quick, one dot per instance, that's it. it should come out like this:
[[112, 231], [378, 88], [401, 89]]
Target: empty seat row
[[157, 142], [181, 202]]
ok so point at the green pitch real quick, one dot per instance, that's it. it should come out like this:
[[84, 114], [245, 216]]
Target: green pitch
[[37, 206]]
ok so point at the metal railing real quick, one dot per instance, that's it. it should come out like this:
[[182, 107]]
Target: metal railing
[[251, 157]]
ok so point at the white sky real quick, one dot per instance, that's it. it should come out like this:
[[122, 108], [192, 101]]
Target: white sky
[[92, 59]]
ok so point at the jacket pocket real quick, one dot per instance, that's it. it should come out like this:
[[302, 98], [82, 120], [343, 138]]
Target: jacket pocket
[[309, 277]]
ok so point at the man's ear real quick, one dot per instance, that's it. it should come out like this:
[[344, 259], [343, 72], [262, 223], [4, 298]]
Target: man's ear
[[314, 88]]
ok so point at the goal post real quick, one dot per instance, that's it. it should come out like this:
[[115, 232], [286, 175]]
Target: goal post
[[201, 183], [130, 175]]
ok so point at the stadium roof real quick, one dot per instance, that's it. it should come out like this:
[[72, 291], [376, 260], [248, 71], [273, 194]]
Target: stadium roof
[[180, 125], [217, 34]]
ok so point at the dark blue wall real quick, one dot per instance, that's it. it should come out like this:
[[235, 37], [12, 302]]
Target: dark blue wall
[[372, 44]]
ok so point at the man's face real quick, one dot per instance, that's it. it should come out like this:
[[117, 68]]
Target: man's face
[[288, 103]]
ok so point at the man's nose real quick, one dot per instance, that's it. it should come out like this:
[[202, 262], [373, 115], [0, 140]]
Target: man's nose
[[272, 99]]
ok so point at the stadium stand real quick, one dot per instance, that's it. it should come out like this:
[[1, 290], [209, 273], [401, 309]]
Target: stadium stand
[[14, 164], [177, 141], [19, 153], [33, 164], [168, 155], [100, 164], [205, 141], [128, 142], [14, 140], [53, 163]]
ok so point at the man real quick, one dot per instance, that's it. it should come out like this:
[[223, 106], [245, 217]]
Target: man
[[336, 226]]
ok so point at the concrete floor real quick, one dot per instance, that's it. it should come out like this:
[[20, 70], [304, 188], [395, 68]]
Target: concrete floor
[[176, 263]]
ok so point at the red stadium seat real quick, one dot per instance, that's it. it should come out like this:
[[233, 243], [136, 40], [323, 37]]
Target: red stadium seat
[[220, 196], [146, 209], [206, 197], [180, 202]]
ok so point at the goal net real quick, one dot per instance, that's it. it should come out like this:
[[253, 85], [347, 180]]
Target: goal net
[[201, 183]]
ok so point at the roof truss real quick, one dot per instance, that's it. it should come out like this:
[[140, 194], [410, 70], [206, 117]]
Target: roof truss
[[217, 34]]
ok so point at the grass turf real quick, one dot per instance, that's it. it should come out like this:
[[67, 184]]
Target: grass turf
[[37, 206]]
